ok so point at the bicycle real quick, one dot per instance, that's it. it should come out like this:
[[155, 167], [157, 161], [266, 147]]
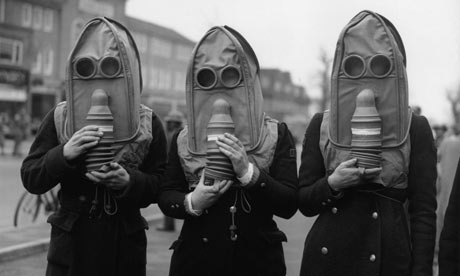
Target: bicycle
[[29, 207]]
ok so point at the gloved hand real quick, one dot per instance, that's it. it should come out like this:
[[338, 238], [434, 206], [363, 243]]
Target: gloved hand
[[347, 175], [205, 196], [112, 176]]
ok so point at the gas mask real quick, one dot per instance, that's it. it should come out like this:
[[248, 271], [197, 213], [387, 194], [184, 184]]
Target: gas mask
[[369, 92], [103, 87], [223, 74]]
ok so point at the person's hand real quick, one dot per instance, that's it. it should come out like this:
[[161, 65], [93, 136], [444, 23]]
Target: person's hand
[[205, 196], [234, 150], [112, 176], [81, 141], [347, 175]]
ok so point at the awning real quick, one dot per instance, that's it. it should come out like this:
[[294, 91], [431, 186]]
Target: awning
[[12, 94]]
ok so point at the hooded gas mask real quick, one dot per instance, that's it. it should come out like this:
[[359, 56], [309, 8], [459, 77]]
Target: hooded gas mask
[[369, 116], [370, 56], [103, 88], [224, 67], [223, 94]]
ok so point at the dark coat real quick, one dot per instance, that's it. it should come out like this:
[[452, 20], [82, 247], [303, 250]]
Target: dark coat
[[96, 244], [204, 246], [367, 233], [449, 243]]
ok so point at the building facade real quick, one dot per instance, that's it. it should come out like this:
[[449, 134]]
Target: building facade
[[36, 37]]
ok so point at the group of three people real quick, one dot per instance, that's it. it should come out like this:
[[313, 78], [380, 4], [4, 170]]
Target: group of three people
[[365, 164]]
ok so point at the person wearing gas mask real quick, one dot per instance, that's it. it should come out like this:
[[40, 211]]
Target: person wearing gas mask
[[231, 169], [107, 152], [365, 160]]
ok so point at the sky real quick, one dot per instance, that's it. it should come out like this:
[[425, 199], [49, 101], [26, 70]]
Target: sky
[[289, 35]]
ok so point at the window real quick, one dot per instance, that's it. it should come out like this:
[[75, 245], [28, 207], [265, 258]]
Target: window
[[2, 10], [48, 61], [77, 27], [141, 41], [37, 18], [161, 47], [165, 80], [154, 76], [48, 20], [37, 64], [183, 52], [26, 19], [10, 51], [179, 81]]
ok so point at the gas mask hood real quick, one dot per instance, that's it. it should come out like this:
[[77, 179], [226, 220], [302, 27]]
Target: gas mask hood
[[224, 67], [104, 80], [370, 57]]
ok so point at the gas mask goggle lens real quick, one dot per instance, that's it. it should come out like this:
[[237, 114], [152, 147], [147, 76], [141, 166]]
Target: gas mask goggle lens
[[379, 66], [206, 78], [108, 67]]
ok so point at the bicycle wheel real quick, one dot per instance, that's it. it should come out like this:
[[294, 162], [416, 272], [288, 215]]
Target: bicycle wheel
[[27, 209]]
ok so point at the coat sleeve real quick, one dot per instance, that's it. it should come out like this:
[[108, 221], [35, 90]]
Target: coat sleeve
[[175, 187], [45, 166], [450, 236], [422, 196], [144, 184], [314, 194], [277, 188]]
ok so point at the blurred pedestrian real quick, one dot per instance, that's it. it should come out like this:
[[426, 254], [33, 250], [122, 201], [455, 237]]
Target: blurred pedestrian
[[364, 159], [19, 130], [174, 121], [108, 157], [439, 133]]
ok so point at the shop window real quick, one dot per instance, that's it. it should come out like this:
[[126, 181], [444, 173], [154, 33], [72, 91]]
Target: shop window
[[11, 51], [37, 18], [26, 19], [48, 20]]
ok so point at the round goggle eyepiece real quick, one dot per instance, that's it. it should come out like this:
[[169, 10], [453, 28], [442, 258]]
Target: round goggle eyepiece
[[380, 66], [353, 66], [85, 67], [109, 66], [230, 76], [206, 78]]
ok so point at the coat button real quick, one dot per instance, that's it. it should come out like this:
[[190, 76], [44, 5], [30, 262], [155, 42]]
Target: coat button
[[334, 210], [205, 240], [82, 198], [375, 215], [372, 258], [323, 203], [173, 206], [324, 250], [262, 184], [206, 211], [329, 200], [177, 206]]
